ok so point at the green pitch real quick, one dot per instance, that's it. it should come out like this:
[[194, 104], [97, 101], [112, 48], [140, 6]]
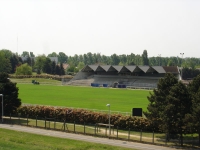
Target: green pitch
[[84, 97]]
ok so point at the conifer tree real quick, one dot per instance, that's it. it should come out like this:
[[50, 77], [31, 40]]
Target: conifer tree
[[158, 100], [10, 94]]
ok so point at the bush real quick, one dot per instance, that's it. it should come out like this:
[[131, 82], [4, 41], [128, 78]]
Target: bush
[[81, 116]]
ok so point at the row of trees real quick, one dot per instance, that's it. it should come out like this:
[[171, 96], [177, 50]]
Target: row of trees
[[43, 63], [174, 107], [27, 62]]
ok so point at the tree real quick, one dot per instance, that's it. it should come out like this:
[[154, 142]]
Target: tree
[[62, 70], [80, 65], [174, 113], [53, 67], [145, 59], [7, 53], [25, 54], [53, 54], [194, 90], [58, 72], [115, 59], [47, 67], [158, 100], [32, 55], [24, 69], [14, 60], [62, 57], [5, 65], [40, 60], [10, 94]]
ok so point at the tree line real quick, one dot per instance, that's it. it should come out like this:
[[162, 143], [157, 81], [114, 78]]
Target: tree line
[[43, 64]]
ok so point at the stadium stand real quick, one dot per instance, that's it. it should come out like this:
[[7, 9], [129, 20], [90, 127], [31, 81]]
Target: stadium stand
[[145, 77]]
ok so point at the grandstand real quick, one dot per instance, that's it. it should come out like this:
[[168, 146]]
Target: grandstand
[[122, 76]]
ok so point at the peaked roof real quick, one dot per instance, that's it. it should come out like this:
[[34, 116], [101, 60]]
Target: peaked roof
[[134, 68], [159, 69]]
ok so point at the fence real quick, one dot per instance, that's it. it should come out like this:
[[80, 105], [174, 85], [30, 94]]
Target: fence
[[103, 130]]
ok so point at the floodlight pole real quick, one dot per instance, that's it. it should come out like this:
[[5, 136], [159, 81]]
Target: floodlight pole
[[2, 107], [181, 66], [108, 105]]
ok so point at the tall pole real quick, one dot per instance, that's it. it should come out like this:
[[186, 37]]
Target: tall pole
[[182, 66], [108, 105], [2, 107]]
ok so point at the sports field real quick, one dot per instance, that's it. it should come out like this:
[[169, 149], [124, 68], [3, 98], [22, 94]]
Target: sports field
[[83, 97]]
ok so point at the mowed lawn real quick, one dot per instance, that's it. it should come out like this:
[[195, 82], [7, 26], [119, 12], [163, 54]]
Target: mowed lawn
[[84, 97], [15, 140]]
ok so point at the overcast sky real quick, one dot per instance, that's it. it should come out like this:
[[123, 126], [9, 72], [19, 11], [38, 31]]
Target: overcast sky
[[166, 27]]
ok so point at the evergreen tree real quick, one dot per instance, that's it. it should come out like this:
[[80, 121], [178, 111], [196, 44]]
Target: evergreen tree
[[47, 68], [194, 89], [14, 60], [62, 70], [53, 67], [158, 100], [58, 71], [177, 107], [145, 58], [10, 94]]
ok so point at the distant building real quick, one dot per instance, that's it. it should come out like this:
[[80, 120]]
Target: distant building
[[54, 59]]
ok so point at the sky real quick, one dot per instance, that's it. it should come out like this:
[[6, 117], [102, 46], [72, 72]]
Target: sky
[[162, 27]]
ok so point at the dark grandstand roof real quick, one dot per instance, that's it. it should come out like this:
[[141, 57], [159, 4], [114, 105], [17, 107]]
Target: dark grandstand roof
[[133, 69], [171, 69]]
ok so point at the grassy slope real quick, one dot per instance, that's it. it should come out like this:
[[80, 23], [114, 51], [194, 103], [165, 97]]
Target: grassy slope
[[26, 141], [83, 97]]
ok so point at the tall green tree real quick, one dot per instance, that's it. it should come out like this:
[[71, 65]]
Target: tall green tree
[[53, 54], [25, 54], [7, 53], [158, 100], [194, 89], [145, 59], [62, 70], [47, 67], [10, 94], [62, 57], [114, 59], [177, 108], [14, 60], [53, 67], [39, 64], [5, 65], [58, 71]]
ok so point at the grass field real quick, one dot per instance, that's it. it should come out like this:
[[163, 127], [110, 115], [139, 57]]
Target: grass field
[[83, 97], [26, 141]]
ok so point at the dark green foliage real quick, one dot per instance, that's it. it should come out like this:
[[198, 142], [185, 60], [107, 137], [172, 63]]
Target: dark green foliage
[[158, 100], [14, 60], [58, 72], [194, 89], [53, 67], [47, 68], [158, 97], [10, 94], [145, 58], [189, 73], [62, 71], [5, 65], [178, 106]]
